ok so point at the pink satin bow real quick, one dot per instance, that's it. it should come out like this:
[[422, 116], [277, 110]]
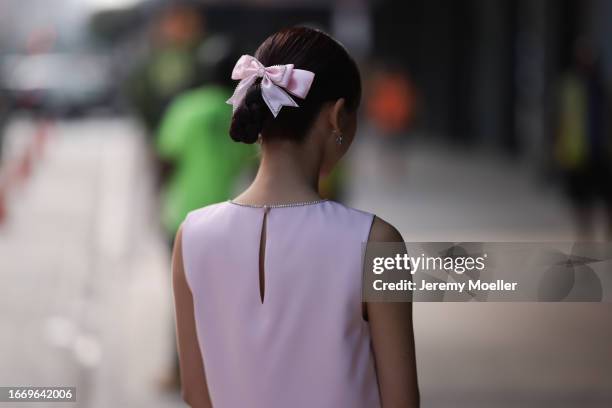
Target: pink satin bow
[[275, 81]]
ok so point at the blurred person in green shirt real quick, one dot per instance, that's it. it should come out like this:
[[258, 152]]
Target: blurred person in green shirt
[[194, 143], [193, 137]]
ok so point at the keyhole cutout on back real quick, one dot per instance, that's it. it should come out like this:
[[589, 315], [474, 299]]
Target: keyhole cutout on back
[[262, 256]]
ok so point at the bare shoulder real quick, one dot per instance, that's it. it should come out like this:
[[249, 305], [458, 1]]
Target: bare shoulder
[[382, 231], [178, 240]]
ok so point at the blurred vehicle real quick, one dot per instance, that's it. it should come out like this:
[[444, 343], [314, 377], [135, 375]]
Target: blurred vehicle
[[69, 84]]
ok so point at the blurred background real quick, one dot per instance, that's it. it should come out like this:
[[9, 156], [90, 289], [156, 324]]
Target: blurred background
[[481, 121]]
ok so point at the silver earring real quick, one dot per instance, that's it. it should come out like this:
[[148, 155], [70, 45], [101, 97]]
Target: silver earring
[[338, 137]]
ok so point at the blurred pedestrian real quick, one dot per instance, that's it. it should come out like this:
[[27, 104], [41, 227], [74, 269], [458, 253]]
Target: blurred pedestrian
[[204, 164], [583, 148], [192, 138], [169, 68], [391, 109], [392, 101]]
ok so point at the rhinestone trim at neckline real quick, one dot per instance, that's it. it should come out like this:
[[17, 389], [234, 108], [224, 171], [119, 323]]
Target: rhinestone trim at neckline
[[300, 204]]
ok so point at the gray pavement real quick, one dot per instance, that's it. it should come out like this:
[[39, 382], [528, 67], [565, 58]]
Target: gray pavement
[[86, 299]]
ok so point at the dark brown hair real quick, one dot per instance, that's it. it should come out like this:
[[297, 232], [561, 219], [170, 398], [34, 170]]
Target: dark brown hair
[[336, 76]]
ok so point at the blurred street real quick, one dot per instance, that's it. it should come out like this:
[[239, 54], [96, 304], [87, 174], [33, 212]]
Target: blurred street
[[434, 193], [86, 298], [492, 354]]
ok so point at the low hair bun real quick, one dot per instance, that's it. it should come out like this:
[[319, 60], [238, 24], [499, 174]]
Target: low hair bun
[[248, 118]]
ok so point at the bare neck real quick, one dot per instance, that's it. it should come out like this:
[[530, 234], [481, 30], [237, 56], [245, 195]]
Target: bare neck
[[288, 173]]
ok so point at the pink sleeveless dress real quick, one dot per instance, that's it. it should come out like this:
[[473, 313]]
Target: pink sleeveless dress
[[306, 345]]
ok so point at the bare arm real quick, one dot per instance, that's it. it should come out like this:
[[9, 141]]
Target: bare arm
[[193, 379], [393, 339]]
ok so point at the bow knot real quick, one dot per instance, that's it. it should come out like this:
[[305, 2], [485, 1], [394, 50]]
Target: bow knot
[[277, 82]]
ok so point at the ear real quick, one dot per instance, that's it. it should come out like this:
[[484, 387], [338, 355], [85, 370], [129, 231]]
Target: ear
[[336, 114]]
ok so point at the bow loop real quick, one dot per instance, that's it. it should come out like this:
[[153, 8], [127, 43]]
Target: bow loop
[[277, 82]]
